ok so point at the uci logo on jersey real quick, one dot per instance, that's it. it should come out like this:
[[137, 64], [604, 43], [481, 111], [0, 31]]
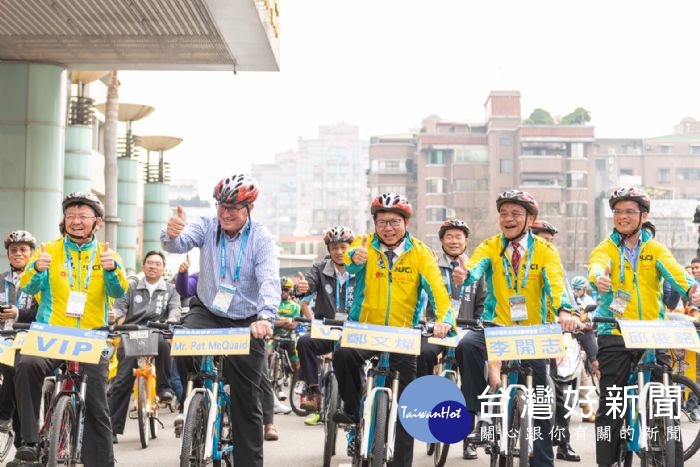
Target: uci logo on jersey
[[646, 257], [406, 269], [534, 267]]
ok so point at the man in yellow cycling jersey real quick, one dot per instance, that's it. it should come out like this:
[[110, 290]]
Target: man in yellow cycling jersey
[[391, 267], [523, 275], [75, 276], [627, 268]]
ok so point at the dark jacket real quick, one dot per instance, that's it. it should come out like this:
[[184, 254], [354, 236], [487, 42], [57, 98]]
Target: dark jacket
[[321, 278], [138, 306], [472, 302], [25, 303]]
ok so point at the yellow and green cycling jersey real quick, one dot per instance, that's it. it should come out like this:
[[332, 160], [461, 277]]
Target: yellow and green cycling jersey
[[640, 283], [287, 309]]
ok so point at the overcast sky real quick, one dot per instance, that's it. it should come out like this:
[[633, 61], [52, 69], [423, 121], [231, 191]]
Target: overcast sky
[[385, 65]]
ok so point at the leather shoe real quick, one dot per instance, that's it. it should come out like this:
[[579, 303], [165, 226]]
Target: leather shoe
[[271, 433], [469, 450], [344, 418], [27, 453], [566, 453], [165, 395]]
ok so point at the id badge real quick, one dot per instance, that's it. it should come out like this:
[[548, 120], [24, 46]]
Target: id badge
[[76, 304], [620, 302], [518, 310], [223, 297], [456, 305]]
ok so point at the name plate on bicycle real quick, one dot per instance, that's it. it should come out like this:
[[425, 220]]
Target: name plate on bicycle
[[220, 341], [7, 352], [79, 345], [524, 342], [449, 341], [381, 338], [19, 340], [658, 334], [325, 331]]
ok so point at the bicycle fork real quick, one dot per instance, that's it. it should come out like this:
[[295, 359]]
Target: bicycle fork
[[367, 420], [81, 418]]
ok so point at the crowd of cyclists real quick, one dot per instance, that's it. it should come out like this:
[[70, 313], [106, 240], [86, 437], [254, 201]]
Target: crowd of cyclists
[[385, 277]]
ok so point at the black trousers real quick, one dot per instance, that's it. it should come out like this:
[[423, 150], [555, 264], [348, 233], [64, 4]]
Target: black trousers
[[243, 373], [97, 438], [347, 364], [615, 362], [7, 400], [427, 359], [471, 358], [308, 349], [122, 385]]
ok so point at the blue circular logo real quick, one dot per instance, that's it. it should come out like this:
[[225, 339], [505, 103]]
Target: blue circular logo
[[431, 409]]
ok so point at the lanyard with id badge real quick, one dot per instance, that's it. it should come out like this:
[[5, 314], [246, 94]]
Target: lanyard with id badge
[[517, 305], [224, 293], [75, 307], [345, 297], [455, 303], [622, 298]]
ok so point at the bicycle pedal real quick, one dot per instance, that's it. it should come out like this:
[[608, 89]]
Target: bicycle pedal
[[133, 414], [159, 422]]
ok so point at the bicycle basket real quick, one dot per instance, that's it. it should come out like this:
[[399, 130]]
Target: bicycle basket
[[140, 343]]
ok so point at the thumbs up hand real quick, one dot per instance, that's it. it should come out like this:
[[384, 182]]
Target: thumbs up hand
[[360, 255], [43, 261], [603, 282], [185, 265], [459, 274], [176, 223], [695, 295], [107, 259], [302, 284]]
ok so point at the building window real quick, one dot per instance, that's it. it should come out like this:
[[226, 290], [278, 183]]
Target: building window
[[471, 154], [436, 185], [479, 184], [436, 214], [627, 172], [688, 173], [437, 157], [539, 182], [576, 180], [550, 209], [576, 209], [695, 150], [505, 139], [664, 176], [666, 148], [379, 165], [506, 166]]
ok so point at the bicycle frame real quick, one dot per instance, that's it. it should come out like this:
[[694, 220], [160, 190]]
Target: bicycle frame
[[510, 371], [146, 369], [213, 390]]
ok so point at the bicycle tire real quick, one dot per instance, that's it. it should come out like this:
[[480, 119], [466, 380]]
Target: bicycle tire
[[429, 448], [381, 417], [442, 449], [661, 451], [295, 397], [62, 434], [194, 432], [142, 410], [225, 434], [690, 444], [515, 418], [330, 429]]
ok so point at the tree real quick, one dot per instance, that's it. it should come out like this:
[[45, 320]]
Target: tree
[[539, 117], [580, 116]]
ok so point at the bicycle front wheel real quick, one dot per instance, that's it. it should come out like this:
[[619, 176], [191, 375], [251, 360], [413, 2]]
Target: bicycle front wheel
[[330, 394], [442, 449], [661, 448], [194, 432], [296, 389], [517, 435], [142, 410], [381, 417], [690, 431], [62, 435]]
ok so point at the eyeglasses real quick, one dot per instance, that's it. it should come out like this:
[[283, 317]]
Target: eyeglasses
[[230, 208], [153, 263], [286, 289], [81, 218], [625, 212], [384, 223], [19, 249], [514, 214]]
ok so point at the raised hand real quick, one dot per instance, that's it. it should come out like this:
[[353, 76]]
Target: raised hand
[[43, 261], [107, 259], [695, 295], [459, 274], [360, 254], [176, 224], [302, 284], [603, 281], [185, 265]]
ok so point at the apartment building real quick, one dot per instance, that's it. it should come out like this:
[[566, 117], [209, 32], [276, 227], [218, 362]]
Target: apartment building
[[457, 169]]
